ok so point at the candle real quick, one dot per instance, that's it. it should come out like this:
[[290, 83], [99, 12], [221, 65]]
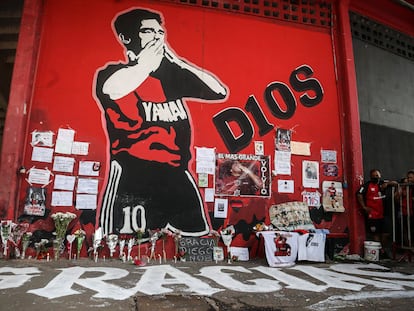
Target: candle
[[47, 257], [104, 258], [159, 256], [175, 259]]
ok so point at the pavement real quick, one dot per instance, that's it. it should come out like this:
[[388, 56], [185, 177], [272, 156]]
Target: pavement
[[205, 286]]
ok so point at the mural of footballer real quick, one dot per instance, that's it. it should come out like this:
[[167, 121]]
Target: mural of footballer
[[149, 131]]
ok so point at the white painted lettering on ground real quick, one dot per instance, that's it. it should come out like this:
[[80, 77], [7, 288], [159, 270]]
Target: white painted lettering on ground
[[19, 277], [225, 279], [343, 281], [62, 284], [291, 281], [155, 278], [162, 279]]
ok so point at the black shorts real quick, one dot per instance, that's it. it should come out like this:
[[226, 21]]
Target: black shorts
[[152, 196], [375, 226]]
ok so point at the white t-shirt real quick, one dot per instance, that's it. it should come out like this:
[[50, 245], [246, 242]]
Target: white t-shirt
[[312, 247], [281, 247]]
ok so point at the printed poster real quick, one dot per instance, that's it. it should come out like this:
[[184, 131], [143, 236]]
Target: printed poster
[[34, 204], [310, 174], [332, 196], [283, 139], [328, 156], [220, 208], [242, 175]]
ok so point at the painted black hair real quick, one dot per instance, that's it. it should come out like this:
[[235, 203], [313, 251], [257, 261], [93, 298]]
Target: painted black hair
[[127, 26]]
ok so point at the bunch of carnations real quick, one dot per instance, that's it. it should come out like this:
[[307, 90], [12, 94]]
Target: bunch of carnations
[[62, 221]]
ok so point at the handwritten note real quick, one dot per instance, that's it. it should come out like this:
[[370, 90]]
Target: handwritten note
[[197, 249]]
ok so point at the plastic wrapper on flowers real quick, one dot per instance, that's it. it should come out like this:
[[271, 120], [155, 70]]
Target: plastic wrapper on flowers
[[80, 237], [42, 249], [112, 241], [165, 233], [154, 236], [227, 237], [97, 242], [17, 232], [5, 234], [25, 243]]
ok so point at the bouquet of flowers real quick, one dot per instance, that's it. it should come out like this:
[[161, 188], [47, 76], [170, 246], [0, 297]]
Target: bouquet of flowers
[[215, 235], [62, 221], [154, 236], [227, 237], [131, 243], [177, 238], [41, 248], [25, 243], [165, 233], [17, 232], [5, 234], [80, 236], [122, 241], [97, 242], [261, 226], [112, 240]]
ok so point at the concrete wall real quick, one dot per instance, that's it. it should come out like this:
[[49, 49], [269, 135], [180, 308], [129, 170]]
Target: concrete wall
[[385, 95]]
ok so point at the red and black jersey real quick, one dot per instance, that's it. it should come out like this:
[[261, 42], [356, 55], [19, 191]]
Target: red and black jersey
[[373, 199]]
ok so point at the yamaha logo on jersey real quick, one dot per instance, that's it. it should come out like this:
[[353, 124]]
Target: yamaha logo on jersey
[[171, 111]]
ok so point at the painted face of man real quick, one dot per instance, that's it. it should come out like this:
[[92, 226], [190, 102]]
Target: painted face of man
[[150, 30]]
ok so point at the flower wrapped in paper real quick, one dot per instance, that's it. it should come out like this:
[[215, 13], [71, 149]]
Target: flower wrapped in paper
[[131, 242], [227, 237], [215, 235], [17, 232], [25, 243], [165, 233], [154, 236], [122, 241], [6, 226], [112, 241], [97, 242], [80, 237], [41, 248], [177, 237]]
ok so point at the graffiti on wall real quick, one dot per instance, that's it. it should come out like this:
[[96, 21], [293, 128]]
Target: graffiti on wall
[[149, 130]]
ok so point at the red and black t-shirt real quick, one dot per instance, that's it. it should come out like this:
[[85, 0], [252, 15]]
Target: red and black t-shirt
[[373, 199]]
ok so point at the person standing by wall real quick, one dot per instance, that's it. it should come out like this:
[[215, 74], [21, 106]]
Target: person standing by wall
[[371, 196], [405, 213]]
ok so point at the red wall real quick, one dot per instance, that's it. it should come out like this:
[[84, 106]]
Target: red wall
[[246, 53]]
